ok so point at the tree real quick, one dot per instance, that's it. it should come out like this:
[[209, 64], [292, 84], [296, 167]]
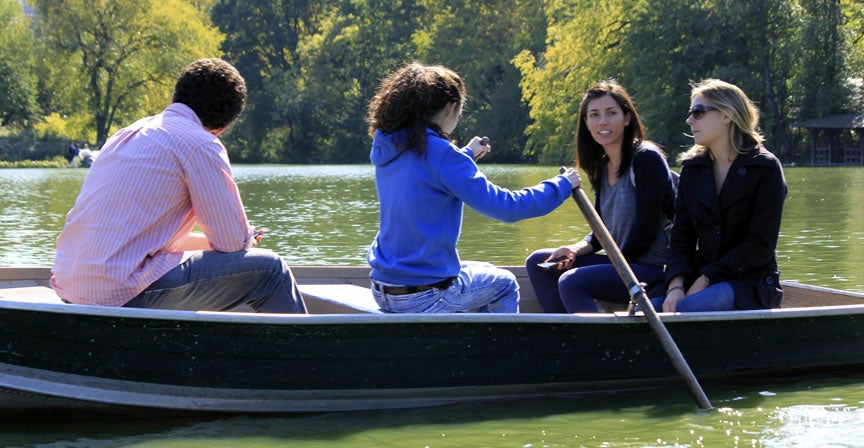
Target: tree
[[583, 47], [17, 66], [853, 38], [264, 37], [358, 43], [674, 43], [125, 54], [820, 86], [474, 38], [670, 44]]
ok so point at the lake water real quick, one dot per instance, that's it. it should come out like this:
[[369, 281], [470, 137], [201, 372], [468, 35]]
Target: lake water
[[327, 215]]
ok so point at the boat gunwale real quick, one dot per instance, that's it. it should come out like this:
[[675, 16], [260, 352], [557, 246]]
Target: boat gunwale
[[420, 318], [41, 274]]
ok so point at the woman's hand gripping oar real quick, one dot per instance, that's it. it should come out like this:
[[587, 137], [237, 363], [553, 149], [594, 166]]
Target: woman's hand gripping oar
[[637, 292]]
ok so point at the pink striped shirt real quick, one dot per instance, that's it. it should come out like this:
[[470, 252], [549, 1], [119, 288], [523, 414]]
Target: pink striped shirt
[[152, 182]]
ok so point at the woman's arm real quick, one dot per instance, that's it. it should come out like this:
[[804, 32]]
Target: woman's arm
[[652, 180]]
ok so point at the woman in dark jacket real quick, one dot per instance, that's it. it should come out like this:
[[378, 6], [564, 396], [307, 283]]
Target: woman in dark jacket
[[634, 196], [728, 209]]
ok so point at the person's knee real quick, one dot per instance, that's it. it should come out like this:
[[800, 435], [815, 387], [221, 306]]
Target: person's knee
[[510, 278], [265, 259], [574, 283], [574, 278], [538, 256], [509, 275]]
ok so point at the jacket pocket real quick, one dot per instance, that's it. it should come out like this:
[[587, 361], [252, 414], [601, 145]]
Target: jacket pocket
[[769, 293]]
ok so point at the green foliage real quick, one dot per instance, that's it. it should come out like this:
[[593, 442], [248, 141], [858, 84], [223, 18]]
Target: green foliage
[[262, 40], [311, 100], [674, 44], [22, 146], [338, 53], [820, 89], [853, 38], [477, 40], [658, 48], [671, 43], [125, 54], [56, 127], [17, 60], [89, 66], [56, 162], [583, 47]]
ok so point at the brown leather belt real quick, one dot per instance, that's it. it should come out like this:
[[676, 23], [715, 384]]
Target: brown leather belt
[[402, 290]]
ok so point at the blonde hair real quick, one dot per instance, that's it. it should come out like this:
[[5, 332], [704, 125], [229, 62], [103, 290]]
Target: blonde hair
[[732, 101]]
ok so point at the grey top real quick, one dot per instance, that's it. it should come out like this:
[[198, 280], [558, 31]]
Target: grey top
[[618, 208]]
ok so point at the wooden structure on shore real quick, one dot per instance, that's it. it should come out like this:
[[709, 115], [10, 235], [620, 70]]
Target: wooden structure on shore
[[827, 145]]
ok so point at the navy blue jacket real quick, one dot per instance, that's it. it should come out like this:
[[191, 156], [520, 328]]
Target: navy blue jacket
[[731, 237], [655, 199]]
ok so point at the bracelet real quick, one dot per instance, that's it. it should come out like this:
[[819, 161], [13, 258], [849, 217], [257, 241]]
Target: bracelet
[[674, 288]]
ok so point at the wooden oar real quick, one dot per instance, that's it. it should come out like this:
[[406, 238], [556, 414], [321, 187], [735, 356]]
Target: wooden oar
[[636, 290]]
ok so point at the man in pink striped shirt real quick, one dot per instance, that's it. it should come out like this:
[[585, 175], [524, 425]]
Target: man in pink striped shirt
[[128, 239]]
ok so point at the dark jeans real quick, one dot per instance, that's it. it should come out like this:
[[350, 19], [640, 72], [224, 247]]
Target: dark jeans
[[218, 281], [590, 277]]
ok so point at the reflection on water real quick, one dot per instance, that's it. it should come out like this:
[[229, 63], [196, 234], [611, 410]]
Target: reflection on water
[[802, 412], [839, 422], [328, 215]]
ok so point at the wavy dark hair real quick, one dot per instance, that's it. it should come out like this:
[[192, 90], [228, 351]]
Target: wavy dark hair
[[589, 154], [408, 98], [213, 89]]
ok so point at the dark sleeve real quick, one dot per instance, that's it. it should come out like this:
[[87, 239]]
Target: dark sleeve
[[653, 182], [682, 244], [763, 228]]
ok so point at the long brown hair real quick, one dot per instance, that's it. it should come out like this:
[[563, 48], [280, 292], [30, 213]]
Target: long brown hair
[[408, 98], [589, 154]]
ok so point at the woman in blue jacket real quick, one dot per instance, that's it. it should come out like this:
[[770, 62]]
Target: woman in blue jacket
[[423, 180], [634, 196], [728, 210]]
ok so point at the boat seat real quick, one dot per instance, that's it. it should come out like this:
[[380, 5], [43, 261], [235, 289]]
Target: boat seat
[[339, 298], [28, 293], [319, 299]]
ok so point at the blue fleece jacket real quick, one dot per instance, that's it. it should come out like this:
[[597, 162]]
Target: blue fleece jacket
[[421, 199]]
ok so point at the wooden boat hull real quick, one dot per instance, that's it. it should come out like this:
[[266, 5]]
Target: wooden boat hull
[[67, 357]]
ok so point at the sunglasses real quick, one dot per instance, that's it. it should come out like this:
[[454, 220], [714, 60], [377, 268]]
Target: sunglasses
[[698, 111]]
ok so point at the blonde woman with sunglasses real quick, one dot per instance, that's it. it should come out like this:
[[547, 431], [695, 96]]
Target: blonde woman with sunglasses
[[728, 210]]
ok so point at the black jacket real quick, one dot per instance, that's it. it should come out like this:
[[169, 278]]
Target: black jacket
[[731, 237]]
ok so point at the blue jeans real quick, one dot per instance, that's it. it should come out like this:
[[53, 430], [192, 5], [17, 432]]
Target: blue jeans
[[479, 288], [718, 297], [218, 281], [590, 277]]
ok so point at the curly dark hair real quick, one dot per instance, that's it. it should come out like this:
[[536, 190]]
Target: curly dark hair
[[408, 99], [214, 89], [589, 154]]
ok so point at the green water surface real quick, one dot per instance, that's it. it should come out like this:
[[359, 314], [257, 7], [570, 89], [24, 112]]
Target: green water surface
[[327, 215]]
